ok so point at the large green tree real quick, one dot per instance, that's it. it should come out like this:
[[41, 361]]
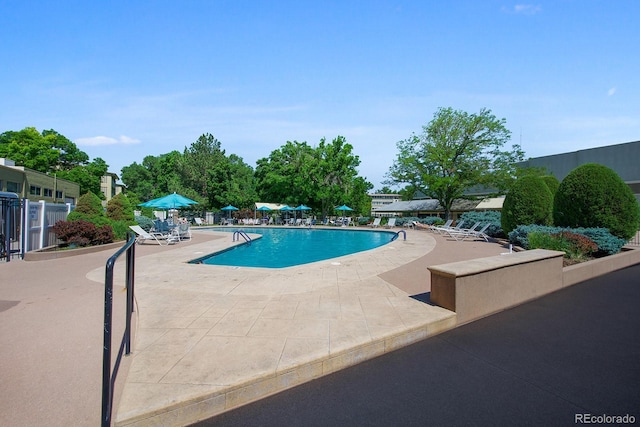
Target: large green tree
[[45, 152], [203, 168], [284, 176], [455, 152], [321, 177]]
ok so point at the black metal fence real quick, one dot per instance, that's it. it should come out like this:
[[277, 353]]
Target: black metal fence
[[109, 374]]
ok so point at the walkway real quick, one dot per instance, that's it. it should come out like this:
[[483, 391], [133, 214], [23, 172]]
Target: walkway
[[574, 353], [223, 334]]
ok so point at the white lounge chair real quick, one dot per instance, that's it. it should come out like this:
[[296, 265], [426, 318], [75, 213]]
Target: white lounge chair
[[441, 228], [161, 239], [477, 234], [375, 223], [183, 231], [391, 223]]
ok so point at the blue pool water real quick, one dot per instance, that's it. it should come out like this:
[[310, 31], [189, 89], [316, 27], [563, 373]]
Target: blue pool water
[[286, 247]]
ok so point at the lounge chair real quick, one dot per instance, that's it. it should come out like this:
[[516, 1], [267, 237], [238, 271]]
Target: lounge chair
[[441, 228], [183, 231], [198, 221], [391, 223], [477, 234], [161, 239], [375, 223], [462, 234]]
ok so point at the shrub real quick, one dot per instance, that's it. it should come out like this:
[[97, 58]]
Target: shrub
[[484, 217], [97, 219], [594, 196], [119, 208], [104, 234], [430, 220], [82, 233], [529, 201], [89, 204], [145, 222], [607, 243], [120, 229], [552, 182], [575, 246]]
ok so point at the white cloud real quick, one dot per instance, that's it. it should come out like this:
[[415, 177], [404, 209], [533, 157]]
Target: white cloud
[[105, 140], [525, 9], [611, 91]]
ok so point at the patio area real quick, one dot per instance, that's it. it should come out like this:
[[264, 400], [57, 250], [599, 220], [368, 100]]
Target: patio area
[[210, 338]]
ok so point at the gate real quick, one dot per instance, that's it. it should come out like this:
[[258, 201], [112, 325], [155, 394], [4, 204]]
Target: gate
[[9, 225], [39, 218]]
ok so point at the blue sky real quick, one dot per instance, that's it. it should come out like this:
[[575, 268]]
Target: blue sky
[[124, 80]]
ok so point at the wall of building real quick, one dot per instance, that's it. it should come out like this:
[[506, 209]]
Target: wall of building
[[624, 159], [36, 186]]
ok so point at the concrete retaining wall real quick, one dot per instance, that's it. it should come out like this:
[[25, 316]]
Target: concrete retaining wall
[[480, 287]]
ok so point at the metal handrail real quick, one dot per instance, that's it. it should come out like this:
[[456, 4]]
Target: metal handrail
[[243, 234], [395, 236], [109, 376]]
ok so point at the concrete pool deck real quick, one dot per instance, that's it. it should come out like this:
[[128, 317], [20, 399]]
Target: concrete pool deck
[[212, 338], [209, 338]]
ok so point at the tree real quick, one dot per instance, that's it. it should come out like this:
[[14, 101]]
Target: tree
[[240, 184], [30, 149], [593, 195], [456, 151], [284, 176], [203, 167], [322, 177], [46, 152]]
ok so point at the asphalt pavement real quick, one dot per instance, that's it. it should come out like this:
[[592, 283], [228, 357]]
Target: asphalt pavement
[[570, 358]]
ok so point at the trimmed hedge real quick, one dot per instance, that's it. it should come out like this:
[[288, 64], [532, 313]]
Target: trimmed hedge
[[529, 201], [608, 244], [593, 195]]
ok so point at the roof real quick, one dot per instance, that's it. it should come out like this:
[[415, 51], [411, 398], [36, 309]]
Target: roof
[[491, 203], [432, 205]]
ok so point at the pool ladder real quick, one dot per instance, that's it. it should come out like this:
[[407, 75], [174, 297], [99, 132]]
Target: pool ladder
[[238, 234], [395, 236]]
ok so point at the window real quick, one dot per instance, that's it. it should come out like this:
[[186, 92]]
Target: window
[[48, 192], [34, 190], [14, 187], [58, 194]]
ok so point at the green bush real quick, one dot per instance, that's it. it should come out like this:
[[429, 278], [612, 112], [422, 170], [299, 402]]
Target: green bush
[[529, 201], [594, 196], [97, 219], [89, 204], [484, 217], [552, 182], [119, 208], [607, 243], [120, 229], [575, 246]]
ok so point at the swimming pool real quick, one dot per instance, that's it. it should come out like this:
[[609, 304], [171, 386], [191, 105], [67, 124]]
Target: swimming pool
[[286, 247]]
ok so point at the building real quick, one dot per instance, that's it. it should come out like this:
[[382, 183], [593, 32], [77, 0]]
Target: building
[[624, 159], [36, 186], [380, 201], [109, 186]]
